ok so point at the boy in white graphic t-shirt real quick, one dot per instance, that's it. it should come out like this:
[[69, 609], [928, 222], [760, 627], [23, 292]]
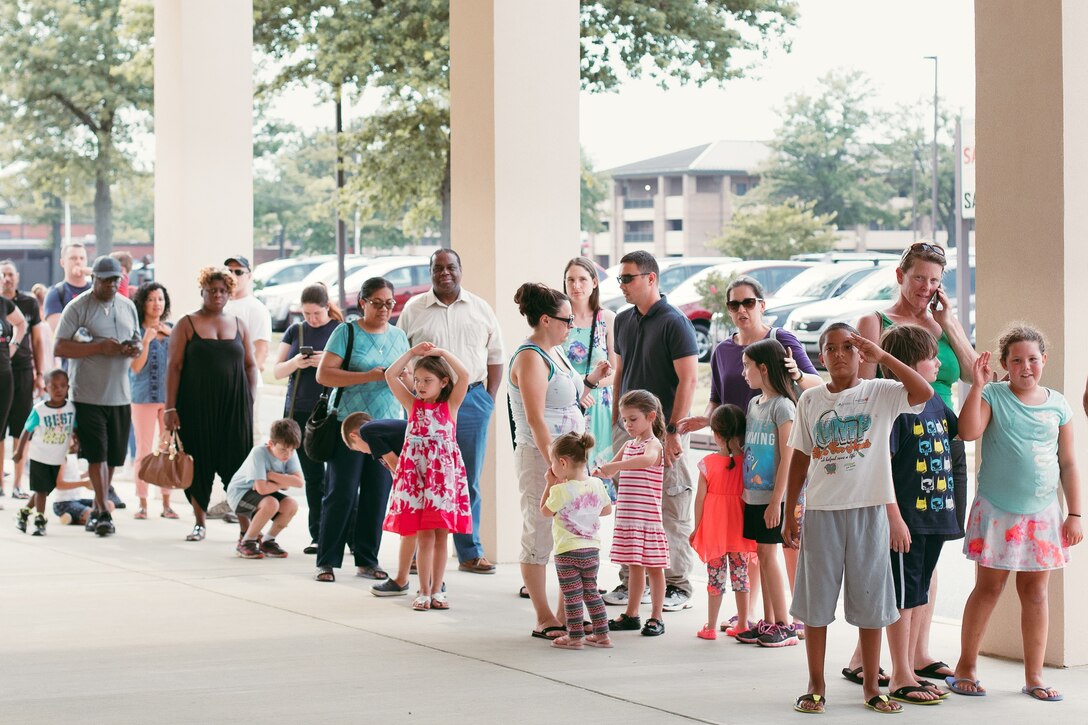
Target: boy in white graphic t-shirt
[[49, 430]]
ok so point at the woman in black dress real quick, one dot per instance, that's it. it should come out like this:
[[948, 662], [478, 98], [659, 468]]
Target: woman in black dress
[[210, 383]]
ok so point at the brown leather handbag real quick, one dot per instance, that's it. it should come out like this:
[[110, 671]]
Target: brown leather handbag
[[168, 465]]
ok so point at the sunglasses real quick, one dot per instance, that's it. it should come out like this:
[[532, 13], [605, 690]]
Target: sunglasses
[[629, 278], [747, 303], [238, 271], [378, 304], [926, 247], [568, 320]]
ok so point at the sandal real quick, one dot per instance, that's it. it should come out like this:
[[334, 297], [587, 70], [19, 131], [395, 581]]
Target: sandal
[[168, 513], [311, 549], [856, 677], [598, 640], [653, 628], [325, 574], [547, 632], [883, 705], [422, 603], [567, 642], [197, 534], [818, 701], [371, 572], [141, 513], [439, 601]]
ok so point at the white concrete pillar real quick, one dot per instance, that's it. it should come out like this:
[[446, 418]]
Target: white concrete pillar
[[1031, 116], [660, 249], [203, 140], [514, 85]]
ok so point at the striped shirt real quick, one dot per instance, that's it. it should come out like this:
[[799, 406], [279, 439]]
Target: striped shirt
[[639, 537]]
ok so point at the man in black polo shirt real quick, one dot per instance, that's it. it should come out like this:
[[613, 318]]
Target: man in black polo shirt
[[28, 364], [657, 352]]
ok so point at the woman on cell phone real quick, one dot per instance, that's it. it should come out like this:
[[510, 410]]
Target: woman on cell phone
[[299, 355]]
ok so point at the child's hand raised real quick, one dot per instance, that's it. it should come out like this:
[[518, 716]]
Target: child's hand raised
[[983, 373], [870, 351], [422, 348]]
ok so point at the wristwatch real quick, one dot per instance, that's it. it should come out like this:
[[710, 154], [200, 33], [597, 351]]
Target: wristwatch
[[670, 428]]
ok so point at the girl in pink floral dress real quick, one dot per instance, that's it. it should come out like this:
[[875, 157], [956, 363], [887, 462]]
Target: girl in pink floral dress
[[430, 488]]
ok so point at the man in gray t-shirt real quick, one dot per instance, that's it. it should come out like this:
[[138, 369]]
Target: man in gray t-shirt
[[99, 333]]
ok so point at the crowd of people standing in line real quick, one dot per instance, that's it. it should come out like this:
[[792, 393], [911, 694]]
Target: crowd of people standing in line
[[600, 408]]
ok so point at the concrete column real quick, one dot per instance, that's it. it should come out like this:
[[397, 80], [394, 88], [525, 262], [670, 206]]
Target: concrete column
[[203, 140], [515, 185], [617, 226], [659, 217], [1032, 178]]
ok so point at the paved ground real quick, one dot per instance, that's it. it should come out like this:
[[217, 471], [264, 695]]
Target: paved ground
[[144, 627]]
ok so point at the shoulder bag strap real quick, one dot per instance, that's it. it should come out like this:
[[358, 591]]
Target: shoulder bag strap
[[347, 355], [592, 342], [295, 382]]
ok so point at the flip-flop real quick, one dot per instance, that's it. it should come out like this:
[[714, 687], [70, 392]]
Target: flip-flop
[[933, 670], [818, 700], [606, 644], [1030, 692], [568, 644], [873, 703], [953, 684], [547, 632], [854, 676], [941, 695], [523, 593], [902, 695]]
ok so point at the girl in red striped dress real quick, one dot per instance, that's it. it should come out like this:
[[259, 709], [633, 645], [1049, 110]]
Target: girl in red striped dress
[[638, 539]]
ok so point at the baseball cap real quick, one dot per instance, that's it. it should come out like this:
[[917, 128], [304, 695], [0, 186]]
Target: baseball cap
[[239, 259], [106, 266]]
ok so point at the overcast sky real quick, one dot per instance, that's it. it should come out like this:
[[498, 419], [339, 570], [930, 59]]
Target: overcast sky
[[888, 39]]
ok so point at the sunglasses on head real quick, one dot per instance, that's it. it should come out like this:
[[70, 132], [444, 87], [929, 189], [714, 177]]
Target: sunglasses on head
[[926, 247], [568, 320], [629, 278], [378, 304], [748, 303]]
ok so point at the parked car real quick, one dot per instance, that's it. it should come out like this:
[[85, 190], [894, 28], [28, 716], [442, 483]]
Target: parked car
[[836, 257], [674, 270], [278, 299], [287, 270], [772, 274], [875, 292], [821, 282], [410, 276]]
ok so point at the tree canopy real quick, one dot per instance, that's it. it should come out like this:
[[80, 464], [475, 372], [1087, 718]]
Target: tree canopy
[[777, 231], [75, 84]]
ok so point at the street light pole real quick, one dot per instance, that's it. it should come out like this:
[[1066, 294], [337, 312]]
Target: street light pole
[[936, 125]]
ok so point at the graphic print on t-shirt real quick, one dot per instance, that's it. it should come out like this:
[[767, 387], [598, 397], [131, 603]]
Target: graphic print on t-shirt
[[838, 441], [934, 464]]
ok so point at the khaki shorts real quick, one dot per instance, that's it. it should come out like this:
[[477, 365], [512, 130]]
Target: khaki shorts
[[536, 529]]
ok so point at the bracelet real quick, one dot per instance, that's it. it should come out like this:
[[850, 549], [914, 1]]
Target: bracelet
[[1077, 515], [170, 410], [588, 384]]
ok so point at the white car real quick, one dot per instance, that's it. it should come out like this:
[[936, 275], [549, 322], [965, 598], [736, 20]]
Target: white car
[[278, 299], [674, 270]]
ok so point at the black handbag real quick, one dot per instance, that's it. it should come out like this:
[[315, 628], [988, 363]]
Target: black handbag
[[322, 428]]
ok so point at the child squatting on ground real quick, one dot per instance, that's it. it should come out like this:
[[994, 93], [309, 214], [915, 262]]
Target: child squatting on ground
[[1016, 522], [429, 498], [50, 433], [841, 442], [577, 504], [718, 537], [257, 492]]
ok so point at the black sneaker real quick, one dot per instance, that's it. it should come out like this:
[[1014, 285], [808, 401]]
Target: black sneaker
[[390, 588], [311, 549], [92, 522], [104, 526], [39, 525], [117, 502], [21, 518], [272, 549], [752, 635], [248, 549]]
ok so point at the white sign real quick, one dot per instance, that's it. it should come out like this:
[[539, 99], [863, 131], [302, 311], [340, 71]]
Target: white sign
[[967, 168]]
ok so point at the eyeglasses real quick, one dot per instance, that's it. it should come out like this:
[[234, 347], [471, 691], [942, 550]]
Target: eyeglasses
[[748, 303], [378, 304], [568, 320], [925, 247], [629, 278], [238, 271]]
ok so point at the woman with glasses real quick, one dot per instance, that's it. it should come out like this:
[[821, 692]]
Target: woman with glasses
[[589, 342], [355, 478], [923, 302], [299, 355], [211, 379], [544, 393]]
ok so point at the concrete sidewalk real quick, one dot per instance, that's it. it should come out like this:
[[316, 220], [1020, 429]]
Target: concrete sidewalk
[[143, 627]]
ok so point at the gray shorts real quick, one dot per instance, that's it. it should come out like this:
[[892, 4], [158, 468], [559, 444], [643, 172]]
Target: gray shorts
[[850, 545], [536, 528]]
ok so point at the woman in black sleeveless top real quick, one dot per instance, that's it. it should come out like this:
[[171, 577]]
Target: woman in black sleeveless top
[[210, 384]]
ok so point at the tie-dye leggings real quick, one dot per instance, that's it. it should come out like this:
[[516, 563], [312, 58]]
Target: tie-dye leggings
[[578, 580]]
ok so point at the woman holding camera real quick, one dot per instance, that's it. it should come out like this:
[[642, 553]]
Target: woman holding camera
[[300, 353]]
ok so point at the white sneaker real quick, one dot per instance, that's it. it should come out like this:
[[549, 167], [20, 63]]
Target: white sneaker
[[676, 599], [619, 596]]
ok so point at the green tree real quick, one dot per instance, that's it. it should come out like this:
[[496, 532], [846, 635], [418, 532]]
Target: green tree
[[776, 231], [294, 190], [76, 83], [594, 191], [402, 172], [823, 152]]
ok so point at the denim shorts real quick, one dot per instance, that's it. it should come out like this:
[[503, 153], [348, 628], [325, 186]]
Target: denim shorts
[[74, 508]]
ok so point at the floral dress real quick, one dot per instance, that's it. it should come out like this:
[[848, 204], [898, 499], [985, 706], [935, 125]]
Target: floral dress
[[599, 414], [430, 487]]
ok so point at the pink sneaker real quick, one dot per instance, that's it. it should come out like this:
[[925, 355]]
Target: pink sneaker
[[707, 632]]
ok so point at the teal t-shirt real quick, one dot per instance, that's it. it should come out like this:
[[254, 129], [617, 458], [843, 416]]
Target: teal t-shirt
[[1019, 471], [761, 456], [369, 351]]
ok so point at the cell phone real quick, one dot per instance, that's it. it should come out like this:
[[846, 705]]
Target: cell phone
[[306, 351], [933, 301]]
